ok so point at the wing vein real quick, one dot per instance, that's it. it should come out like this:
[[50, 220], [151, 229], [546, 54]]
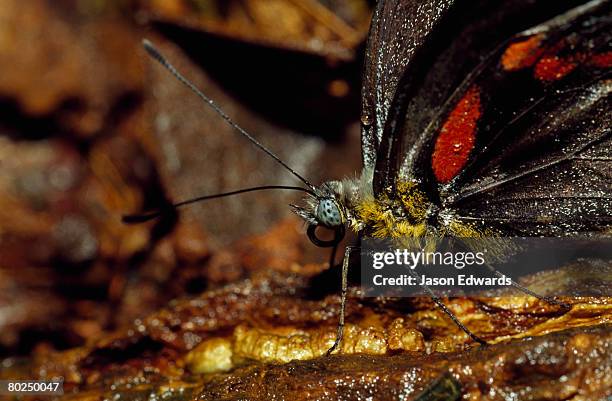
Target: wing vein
[[544, 166]]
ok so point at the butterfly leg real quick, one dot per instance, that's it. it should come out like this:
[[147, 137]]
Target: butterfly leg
[[549, 300], [445, 309], [345, 266]]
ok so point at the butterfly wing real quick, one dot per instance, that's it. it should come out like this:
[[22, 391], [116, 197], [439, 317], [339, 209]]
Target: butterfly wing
[[398, 29], [542, 162], [510, 129]]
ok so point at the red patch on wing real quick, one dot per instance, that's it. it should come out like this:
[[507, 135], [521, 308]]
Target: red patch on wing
[[553, 68], [522, 54], [457, 136], [602, 60], [549, 64]]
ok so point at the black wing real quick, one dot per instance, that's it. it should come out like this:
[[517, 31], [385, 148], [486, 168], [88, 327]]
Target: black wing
[[452, 49], [505, 111], [398, 29], [542, 161]]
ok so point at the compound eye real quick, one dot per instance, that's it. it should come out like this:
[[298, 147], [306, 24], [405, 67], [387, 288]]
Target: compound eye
[[328, 213]]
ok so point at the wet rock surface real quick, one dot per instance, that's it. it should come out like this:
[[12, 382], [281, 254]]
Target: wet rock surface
[[265, 338], [572, 364]]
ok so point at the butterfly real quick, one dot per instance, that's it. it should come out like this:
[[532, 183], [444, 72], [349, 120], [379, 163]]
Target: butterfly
[[478, 118], [481, 118]]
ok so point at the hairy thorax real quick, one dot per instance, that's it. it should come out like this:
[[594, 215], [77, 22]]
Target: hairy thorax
[[409, 213]]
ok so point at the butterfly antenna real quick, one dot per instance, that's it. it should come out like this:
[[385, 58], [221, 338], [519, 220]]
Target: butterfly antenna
[[141, 218], [155, 54]]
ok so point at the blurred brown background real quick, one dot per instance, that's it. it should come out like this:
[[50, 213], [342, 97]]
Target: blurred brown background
[[91, 128]]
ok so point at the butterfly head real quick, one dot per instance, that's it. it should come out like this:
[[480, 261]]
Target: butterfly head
[[324, 208]]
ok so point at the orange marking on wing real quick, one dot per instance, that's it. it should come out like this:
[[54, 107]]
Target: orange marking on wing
[[602, 60], [457, 137], [522, 54], [553, 68]]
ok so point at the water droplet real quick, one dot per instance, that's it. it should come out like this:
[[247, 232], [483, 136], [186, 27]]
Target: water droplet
[[366, 119]]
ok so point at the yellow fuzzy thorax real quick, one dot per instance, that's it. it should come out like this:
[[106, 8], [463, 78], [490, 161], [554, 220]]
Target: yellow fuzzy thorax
[[381, 222]]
